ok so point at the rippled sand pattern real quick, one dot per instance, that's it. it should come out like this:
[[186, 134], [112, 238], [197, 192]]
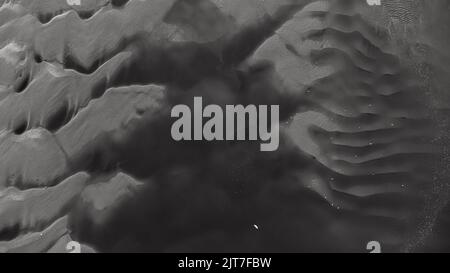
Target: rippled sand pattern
[[85, 146]]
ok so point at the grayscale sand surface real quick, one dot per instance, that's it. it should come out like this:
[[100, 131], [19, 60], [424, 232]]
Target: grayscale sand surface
[[85, 146]]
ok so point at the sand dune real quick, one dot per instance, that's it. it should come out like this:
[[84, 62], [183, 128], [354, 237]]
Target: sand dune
[[85, 147]]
